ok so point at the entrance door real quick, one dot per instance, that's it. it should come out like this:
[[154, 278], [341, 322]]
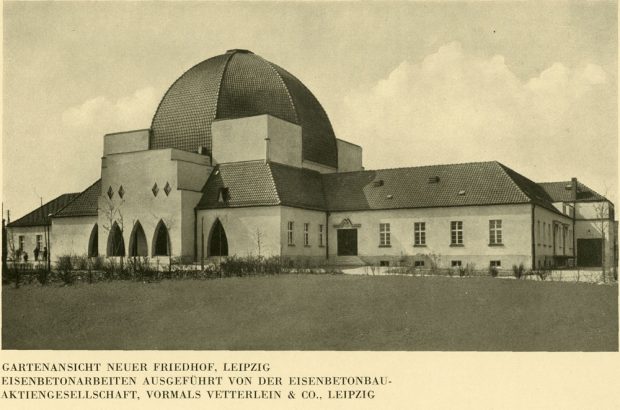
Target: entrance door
[[347, 242], [590, 252]]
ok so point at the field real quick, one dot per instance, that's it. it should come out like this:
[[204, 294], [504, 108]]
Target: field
[[314, 312]]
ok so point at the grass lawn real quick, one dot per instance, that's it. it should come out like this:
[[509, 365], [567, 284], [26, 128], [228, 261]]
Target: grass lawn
[[314, 312]]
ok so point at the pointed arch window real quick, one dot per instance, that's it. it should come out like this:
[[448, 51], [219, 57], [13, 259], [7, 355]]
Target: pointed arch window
[[137, 241], [93, 242], [218, 243], [161, 240], [116, 243]]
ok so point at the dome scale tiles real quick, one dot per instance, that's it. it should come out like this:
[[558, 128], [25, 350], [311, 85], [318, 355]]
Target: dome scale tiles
[[240, 84]]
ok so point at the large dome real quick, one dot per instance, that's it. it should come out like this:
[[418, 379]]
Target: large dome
[[235, 85]]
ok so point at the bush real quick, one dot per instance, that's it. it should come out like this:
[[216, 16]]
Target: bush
[[542, 274], [43, 276], [79, 262], [518, 271], [493, 271], [65, 267]]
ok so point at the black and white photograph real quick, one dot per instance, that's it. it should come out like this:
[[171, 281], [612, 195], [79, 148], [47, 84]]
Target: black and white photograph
[[310, 176]]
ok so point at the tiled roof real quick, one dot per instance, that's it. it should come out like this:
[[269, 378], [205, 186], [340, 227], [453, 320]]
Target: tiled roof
[[235, 85], [85, 204], [257, 183], [40, 216], [480, 183], [558, 192]]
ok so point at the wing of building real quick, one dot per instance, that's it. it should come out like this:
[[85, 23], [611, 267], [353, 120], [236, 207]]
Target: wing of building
[[241, 159]]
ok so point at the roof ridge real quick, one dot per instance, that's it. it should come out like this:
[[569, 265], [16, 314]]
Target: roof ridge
[[274, 186], [412, 167], [40, 207], [79, 194], [504, 169], [288, 92]]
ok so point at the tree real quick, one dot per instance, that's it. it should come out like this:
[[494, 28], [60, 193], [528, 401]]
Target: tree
[[604, 217]]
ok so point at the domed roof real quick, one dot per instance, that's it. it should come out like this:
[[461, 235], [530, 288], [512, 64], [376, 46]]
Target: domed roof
[[234, 85]]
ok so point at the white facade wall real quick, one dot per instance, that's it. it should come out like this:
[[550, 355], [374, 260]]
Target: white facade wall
[[71, 235], [549, 241], [255, 138], [516, 233], [29, 234], [242, 227], [349, 156], [129, 141], [299, 249], [137, 172]]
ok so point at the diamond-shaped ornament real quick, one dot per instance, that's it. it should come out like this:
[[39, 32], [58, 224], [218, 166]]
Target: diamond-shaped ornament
[[110, 192], [121, 192], [167, 189], [155, 189]]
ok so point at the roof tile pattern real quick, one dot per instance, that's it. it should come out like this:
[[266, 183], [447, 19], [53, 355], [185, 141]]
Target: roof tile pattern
[[40, 216], [558, 192], [183, 118], [235, 85], [85, 204], [483, 183]]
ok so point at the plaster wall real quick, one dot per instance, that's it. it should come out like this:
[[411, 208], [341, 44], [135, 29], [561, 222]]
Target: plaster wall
[[71, 235], [129, 141], [349, 156], [516, 233]]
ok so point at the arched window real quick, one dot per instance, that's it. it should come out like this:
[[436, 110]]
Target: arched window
[[93, 242], [161, 240], [116, 243], [137, 241], [218, 243]]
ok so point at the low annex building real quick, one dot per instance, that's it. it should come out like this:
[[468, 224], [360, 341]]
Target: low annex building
[[241, 159]]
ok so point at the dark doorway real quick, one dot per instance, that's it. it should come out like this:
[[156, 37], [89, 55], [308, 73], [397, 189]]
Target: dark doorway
[[347, 242], [161, 240], [137, 241], [589, 252], [218, 243], [93, 242], [116, 243]]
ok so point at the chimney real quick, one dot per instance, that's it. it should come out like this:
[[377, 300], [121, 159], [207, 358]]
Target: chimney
[[573, 183]]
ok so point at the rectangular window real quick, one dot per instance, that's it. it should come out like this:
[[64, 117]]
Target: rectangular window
[[544, 234], [320, 235], [456, 232], [418, 264], [40, 242], [384, 234], [21, 242], [496, 264], [306, 234], [538, 232], [456, 263], [495, 232], [419, 234], [290, 232]]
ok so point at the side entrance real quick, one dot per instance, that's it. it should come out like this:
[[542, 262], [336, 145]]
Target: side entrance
[[347, 242]]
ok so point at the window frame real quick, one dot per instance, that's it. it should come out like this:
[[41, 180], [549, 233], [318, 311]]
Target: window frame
[[496, 236], [306, 234], [290, 233], [385, 240], [419, 234], [321, 235], [456, 233]]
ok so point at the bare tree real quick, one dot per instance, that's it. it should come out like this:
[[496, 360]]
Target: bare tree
[[602, 212], [259, 240]]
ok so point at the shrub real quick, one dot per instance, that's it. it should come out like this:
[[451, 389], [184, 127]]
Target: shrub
[[493, 271], [79, 262], [518, 271], [97, 262], [65, 267], [542, 274], [42, 276]]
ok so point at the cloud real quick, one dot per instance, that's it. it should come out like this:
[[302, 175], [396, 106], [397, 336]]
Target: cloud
[[455, 106], [100, 115]]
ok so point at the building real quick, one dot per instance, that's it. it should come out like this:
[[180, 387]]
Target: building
[[241, 159]]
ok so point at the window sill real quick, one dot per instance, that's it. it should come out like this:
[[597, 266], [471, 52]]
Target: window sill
[[385, 246], [291, 244], [496, 244], [419, 246], [457, 245]]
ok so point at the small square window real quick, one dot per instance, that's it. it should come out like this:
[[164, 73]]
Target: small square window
[[384, 263], [496, 264], [418, 264], [456, 263]]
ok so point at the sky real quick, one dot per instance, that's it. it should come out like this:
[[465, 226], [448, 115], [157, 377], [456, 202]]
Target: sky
[[533, 86]]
